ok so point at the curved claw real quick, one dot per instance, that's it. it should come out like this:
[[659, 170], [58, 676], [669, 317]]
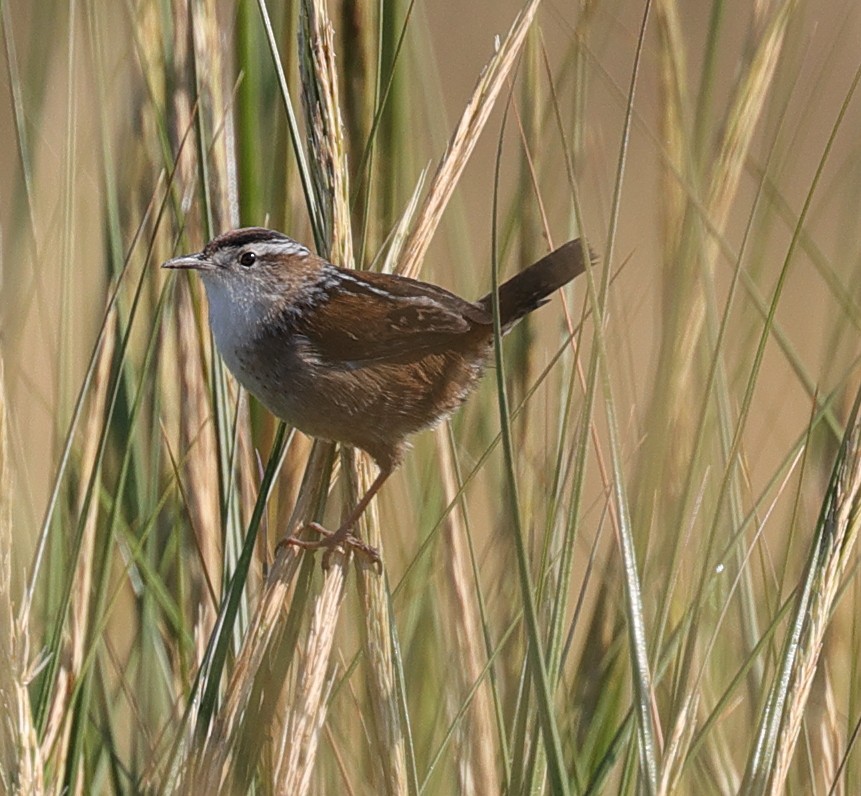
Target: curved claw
[[331, 541]]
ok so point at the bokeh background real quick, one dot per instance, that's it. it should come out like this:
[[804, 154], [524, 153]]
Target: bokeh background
[[727, 219]]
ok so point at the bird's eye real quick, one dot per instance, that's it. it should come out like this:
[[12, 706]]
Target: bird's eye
[[247, 259]]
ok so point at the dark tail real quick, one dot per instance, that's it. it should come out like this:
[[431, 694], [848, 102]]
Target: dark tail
[[529, 289]]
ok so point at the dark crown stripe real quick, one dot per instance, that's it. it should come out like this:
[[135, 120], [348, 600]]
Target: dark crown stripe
[[241, 237]]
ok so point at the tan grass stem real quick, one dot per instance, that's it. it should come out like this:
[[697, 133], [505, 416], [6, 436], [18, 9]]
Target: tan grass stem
[[306, 711], [477, 768], [836, 553], [22, 763], [463, 141]]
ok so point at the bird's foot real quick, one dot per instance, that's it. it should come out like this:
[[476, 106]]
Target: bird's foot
[[333, 540]]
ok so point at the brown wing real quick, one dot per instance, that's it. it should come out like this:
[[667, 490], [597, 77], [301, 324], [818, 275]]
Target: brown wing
[[369, 318]]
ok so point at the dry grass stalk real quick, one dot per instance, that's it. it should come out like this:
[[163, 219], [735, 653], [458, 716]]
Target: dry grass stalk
[[672, 121], [307, 709], [836, 553], [463, 141], [197, 26], [59, 725], [377, 643], [677, 746], [477, 768], [689, 241], [264, 627], [21, 758], [326, 129], [401, 231], [748, 103], [832, 742], [210, 93], [209, 766], [193, 410]]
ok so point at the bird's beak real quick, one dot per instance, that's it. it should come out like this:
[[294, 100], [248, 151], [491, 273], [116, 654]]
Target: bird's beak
[[195, 262]]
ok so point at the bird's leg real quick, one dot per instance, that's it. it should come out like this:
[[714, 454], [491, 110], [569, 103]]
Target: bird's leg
[[344, 536]]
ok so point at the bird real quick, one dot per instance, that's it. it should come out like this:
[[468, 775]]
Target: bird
[[362, 358]]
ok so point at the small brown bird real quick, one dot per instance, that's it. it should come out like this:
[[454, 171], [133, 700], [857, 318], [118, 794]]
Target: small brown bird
[[362, 358]]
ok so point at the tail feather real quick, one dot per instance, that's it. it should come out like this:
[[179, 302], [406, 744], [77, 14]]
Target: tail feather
[[529, 289]]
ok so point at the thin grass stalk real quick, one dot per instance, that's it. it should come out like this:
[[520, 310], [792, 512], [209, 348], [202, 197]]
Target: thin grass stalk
[[587, 429], [201, 415], [746, 110], [192, 412], [531, 211], [18, 110], [386, 149], [491, 647], [761, 759], [648, 738], [79, 636], [840, 774], [250, 153], [847, 768], [465, 706], [22, 765], [377, 178], [677, 745], [558, 591], [715, 383], [325, 126], [46, 695], [215, 168], [476, 760], [394, 769], [91, 694], [831, 740], [833, 553], [315, 216], [193, 737], [685, 297], [398, 236], [588, 386], [673, 127], [243, 724], [463, 140], [683, 755], [306, 712], [742, 118], [67, 227], [537, 666], [360, 48]]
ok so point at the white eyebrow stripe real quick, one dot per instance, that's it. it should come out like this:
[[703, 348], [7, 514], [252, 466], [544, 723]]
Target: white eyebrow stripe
[[288, 246]]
